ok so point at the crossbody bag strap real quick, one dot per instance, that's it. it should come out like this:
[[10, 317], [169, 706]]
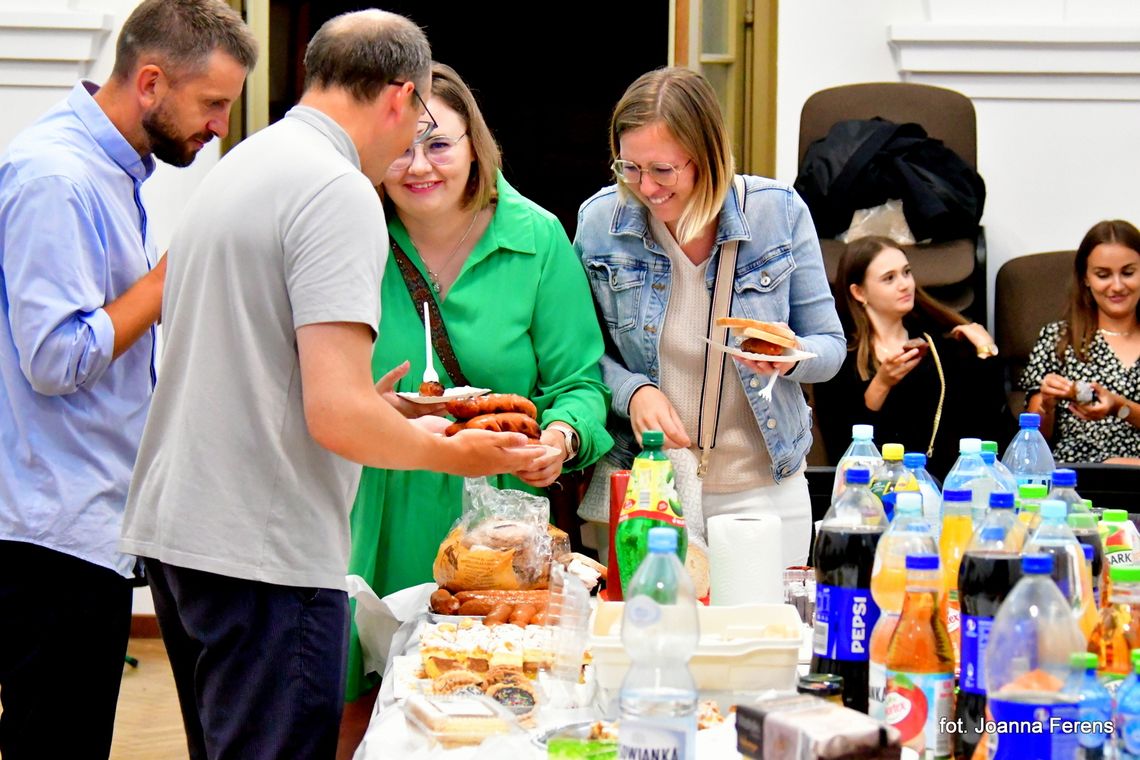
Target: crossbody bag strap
[[715, 360], [941, 394], [421, 293]]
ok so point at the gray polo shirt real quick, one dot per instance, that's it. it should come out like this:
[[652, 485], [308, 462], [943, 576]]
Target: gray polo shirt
[[284, 232]]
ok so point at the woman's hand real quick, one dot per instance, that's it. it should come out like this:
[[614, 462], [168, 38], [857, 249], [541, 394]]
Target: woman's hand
[[548, 466], [1105, 403], [893, 369], [977, 335], [650, 410], [1055, 388], [386, 387], [766, 368]]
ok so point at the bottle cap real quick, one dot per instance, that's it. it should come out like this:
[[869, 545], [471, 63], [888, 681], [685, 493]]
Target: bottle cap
[[1124, 574], [1083, 660], [957, 494], [1037, 564], [662, 540], [989, 457], [1029, 420], [970, 446], [1114, 515], [1088, 550], [820, 685], [1087, 504], [1052, 509], [993, 533], [1032, 507], [1001, 500], [893, 452], [989, 446], [858, 475], [914, 459], [652, 438], [1033, 491], [1065, 478], [908, 503], [863, 432], [922, 562], [1135, 656], [1082, 520]]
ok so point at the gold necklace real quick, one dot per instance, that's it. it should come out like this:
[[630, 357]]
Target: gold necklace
[[433, 276]]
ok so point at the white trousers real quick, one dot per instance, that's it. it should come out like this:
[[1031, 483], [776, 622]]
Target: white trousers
[[789, 500]]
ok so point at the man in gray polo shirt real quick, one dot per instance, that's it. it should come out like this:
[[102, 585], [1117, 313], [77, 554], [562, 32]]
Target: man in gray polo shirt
[[266, 408]]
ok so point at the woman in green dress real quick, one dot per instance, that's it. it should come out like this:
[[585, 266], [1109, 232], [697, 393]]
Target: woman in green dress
[[518, 310]]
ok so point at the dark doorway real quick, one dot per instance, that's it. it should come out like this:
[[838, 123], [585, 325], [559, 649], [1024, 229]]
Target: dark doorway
[[547, 80]]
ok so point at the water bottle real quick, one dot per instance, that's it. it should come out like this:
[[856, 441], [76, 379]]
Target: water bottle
[[890, 477], [1055, 538], [929, 488], [651, 501], [845, 612], [1006, 477], [970, 472], [1026, 664], [1065, 489], [1029, 498], [1126, 718], [1094, 707], [1084, 528], [660, 631], [861, 453], [1028, 456]]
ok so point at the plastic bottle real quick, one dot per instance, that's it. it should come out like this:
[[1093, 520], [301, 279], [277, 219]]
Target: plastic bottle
[[957, 529], [1117, 632], [929, 488], [920, 665], [1088, 617], [1004, 476], [1094, 707], [1065, 489], [909, 533], [1026, 664], [990, 567], [862, 452], [971, 471], [659, 630], [1084, 527], [1121, 541], [845, 612], [1055, 538], [891, 477], [1126, 715], [1028, 456], [650, 502], [1029, 498]]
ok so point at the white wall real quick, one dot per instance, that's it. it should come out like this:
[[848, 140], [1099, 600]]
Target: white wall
[[1053, 164]]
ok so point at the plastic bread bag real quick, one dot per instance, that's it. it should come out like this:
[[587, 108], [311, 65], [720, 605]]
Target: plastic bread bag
[[503, 540], [886, 220]]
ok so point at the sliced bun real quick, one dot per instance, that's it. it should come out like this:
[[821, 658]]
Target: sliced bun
[[777, 334]]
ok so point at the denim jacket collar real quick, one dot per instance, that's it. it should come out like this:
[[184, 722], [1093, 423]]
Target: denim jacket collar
[[631, 217]]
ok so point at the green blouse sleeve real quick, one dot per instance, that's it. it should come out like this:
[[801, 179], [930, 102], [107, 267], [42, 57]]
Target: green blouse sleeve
[[568, 344]]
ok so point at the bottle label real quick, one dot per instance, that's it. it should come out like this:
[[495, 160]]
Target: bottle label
[[919, 706], [1129, 733], [1092, 718], [844, 619], [1117, 546], [953, 613], [975, 637], [876, 689], [651, 493], [656, 740], [1032, 728]]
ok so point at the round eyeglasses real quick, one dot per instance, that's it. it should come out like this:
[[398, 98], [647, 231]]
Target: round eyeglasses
[[660, 172], [438, 150]]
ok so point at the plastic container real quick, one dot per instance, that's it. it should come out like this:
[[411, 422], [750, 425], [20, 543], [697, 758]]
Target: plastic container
[[1065, 489], [1055, 538], [650, 502], [1121, 540], [891, 477], [862, 452], [1126, 716], [957, 530], [1117, 632], [1083, 525], [1028, 456], [1094, 707], [453, 720], [930, 489], [970, 472], [1003, 474]]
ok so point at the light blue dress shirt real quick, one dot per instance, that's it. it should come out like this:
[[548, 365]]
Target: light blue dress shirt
[[73, 237]]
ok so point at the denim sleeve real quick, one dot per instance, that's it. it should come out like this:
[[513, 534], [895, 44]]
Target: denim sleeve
[[54, 269], [812, 312]]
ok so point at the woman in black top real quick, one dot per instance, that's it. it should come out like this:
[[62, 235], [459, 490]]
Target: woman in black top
[[915, 369]]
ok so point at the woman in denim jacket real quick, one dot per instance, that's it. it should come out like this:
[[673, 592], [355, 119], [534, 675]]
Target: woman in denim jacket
[[650, 246]]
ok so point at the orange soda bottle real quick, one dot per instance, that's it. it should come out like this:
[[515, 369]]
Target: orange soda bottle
[[957, 529], [1117, 632], [920, 665]]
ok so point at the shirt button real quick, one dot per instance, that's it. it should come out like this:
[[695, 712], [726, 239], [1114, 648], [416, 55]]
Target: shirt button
[[650, 329], [613, 281], [754, 382], [765, 280], [771, 424]]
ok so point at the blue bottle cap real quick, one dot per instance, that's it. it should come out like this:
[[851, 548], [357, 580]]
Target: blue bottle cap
[[1037, 564], [1001, 500], [662, 540], [922, 562], [1029, 420], [1088, 550], [1065, 478], [957, 494], [858, 475], [993, 533], [912, 460], [1053, 509]]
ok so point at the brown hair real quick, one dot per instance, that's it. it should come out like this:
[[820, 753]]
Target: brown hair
[[182, 35], [853, 271], [1081, 313], [685, 103], [449, 87], [364, 51]]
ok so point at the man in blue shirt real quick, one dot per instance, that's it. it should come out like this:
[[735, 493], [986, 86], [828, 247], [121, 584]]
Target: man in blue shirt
[[81, 291]]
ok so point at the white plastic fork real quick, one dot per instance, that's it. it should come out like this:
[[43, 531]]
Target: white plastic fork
[[430, 375], [766, 391]]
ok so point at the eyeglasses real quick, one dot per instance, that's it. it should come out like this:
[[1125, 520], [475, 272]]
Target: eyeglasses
[[423, 128], [660, 172], [437, 151]]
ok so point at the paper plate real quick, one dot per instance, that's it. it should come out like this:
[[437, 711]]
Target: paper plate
[[449, 394], [789, 355]]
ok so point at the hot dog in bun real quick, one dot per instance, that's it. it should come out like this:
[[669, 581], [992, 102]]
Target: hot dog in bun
[[766, 338]]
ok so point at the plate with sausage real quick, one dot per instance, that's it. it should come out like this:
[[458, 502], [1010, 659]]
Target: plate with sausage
[[449, 394]]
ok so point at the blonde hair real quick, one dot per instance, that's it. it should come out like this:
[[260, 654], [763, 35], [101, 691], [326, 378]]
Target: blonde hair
[[685, 103], [447, 85]]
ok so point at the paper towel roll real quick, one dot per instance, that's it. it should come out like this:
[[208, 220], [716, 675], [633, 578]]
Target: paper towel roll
[[746, 561]]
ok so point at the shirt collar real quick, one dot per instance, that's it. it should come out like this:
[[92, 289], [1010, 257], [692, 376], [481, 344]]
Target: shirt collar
[[631, 217], [327, 126], [106, 134]]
